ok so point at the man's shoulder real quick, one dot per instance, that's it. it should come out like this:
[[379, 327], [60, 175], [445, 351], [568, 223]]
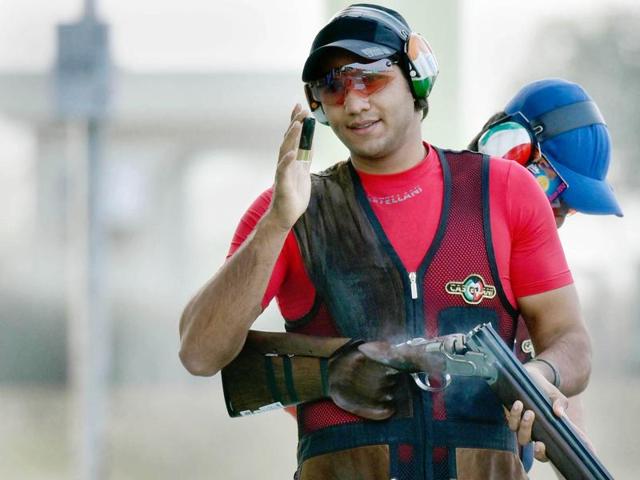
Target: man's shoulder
[[510, 171], [459, 155], [334, 170]]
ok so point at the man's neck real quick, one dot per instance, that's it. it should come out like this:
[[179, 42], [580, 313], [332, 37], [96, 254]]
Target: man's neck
[[404, 158]]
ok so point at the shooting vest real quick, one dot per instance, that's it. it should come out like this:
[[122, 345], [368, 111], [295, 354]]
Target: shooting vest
[[364, 291]]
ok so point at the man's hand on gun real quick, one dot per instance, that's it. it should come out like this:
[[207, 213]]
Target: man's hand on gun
[[362, 380], [362, 386], [521, 421], [411, 357]]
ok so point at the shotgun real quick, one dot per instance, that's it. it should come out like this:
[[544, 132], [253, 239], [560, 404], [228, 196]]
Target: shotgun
[[482, 353]]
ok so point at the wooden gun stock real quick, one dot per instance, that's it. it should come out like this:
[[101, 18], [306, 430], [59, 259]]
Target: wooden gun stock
[[275, 370]]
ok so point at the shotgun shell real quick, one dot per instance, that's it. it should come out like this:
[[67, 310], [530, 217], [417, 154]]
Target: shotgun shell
[[306, 139]]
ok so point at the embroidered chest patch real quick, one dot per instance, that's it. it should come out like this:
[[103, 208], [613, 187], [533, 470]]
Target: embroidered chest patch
[[472, 289]]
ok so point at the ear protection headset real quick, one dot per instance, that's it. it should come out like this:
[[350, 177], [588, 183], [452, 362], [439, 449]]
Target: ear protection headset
[[417, 60], [518, 138]]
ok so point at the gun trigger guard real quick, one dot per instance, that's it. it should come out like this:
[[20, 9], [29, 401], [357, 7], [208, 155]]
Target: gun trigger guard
[[426, 386]]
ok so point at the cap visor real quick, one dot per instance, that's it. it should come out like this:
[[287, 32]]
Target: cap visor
[[313, 67], [588, 195]]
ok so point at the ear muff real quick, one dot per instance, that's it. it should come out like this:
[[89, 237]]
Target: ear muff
[[508, 139], [513, 141], [421, 64], [315, 106], [516, 137]]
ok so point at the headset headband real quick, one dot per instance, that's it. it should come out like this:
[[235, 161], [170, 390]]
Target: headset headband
[[564, 119], [357, 11]]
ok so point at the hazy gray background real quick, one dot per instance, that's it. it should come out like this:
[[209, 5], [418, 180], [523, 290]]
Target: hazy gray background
[[201, 96]]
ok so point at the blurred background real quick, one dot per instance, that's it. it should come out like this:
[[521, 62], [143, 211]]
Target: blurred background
[[133, 135]]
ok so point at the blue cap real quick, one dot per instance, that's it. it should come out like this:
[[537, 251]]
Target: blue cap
[[581, 155]]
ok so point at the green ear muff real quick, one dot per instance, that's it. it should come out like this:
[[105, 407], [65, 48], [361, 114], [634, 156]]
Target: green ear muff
[[422, 65]]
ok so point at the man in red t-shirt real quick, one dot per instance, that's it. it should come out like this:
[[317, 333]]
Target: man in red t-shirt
[[365, 249]]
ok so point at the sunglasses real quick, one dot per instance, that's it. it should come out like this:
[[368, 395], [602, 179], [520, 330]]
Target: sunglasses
[[548, 178], [363, 79]]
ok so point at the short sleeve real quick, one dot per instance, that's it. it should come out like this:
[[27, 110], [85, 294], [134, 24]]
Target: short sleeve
[[538, 263]]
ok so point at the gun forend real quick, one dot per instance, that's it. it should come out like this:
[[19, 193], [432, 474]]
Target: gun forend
[[564, 447]]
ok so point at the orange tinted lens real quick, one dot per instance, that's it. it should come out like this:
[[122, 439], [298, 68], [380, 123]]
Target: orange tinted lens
[[375, 81], [366, 84], [364, 79], [331, 93]]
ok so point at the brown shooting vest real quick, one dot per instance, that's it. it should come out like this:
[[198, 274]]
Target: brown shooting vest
[[364, 291]]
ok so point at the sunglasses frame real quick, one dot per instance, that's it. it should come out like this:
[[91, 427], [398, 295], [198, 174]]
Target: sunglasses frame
[[355, 70]]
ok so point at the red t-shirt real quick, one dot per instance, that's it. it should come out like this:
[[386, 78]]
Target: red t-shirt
[[408, 204]]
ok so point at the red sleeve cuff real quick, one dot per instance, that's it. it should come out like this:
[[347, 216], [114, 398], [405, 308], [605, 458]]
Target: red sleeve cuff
[[561, 280]]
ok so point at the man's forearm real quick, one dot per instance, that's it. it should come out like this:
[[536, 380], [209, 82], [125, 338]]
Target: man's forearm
[[214, 324], [570, 355], [559, 336]]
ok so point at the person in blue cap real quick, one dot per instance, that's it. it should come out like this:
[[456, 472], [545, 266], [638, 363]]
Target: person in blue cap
[[400, 240], [554, 129]]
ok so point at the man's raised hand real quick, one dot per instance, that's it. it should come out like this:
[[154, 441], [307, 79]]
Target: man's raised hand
[[292, 186]]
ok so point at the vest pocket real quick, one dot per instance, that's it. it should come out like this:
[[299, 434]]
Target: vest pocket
[[370, 462], [481, 464]]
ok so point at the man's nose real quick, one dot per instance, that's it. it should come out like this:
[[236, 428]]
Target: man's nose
[[355, 98]]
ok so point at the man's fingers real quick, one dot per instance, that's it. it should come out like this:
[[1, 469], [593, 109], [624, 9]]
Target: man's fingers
[[292, 135], [524, 430], [287, 158], [514, 415], [295, 111], [291, 139], [301, 115], [560, 405], [540, 452], [296, 117]]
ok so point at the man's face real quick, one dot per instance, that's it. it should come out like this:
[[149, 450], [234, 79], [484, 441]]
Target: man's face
[[374, 126]]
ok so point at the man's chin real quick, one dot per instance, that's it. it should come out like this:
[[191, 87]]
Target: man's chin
[[371, 152], [366, 147]]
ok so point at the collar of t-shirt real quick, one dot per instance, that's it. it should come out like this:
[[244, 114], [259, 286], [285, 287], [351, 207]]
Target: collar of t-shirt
[[407, 205]]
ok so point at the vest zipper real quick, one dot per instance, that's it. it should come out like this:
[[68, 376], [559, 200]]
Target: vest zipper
[[418, 404], [414, 285]]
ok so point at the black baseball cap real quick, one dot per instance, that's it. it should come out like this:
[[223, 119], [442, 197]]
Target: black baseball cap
[[368, 31]]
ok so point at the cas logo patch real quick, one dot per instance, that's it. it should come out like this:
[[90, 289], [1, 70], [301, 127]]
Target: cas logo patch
[[472, 289]]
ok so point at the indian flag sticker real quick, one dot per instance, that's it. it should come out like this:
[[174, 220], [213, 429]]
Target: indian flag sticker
[[508, 140]]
